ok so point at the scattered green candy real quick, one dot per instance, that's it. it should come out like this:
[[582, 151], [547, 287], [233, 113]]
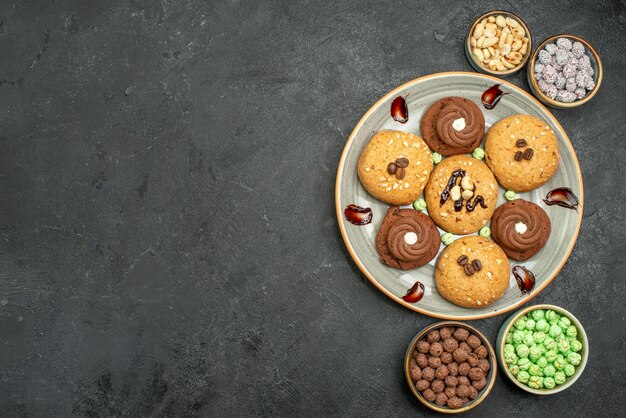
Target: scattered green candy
[[542, 325], [549, 370], [542, 363], [548, 383], [437, 157], [552, 315], [419, 205], [518, 337], [564, 323], [539, 337], [510, 358], [559, 363], [509, 195], [555, 331], [520, 324], [571, 331], [522, 350], [514, 369], [509, 348], [549, 343], [538, 314], [569, 370], [523, 364], [535, 382], [535, 370], [530, 324], [522, 377], [564, 346], [550, 356], [509, 338], [575, 346], [485, 231], [528, 339], [559, 378], [447, 239], [534, 353], [478, 153], [574, 359]]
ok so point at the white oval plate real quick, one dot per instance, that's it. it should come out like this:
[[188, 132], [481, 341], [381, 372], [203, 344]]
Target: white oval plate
[[420, 94]]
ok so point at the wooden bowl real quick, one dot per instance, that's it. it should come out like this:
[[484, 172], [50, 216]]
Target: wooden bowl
[[596, 64], [491, 376], [480, 67]]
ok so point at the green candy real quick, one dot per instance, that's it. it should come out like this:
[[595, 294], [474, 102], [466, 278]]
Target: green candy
[[447, 239], [509, 338], [574, 359], [437, 157], [549, 343], [555, 331], [564, 346], [520, 324], [478, 153], [514, 369], [539, 337], [559, 378], [538, 314], [522, 350], [548, 383], [510, 195], [523, 377], [564, 323], [524, 364], [550, 356], [576, 346], [569, 370], [535, 370], [419, 205], [530, 324], [518, 337], [509, 348], [559, 363], [544, 350], [534, 353], [542, 325], [542, 362], [510, 358], [535, 382], [571, 331], [552, 316], [528, 339], [485, 231], [549, 370]]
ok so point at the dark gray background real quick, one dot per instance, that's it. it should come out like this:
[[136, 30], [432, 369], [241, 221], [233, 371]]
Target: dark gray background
[[168, 240]]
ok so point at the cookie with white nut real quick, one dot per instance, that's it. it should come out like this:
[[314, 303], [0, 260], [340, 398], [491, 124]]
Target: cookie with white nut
[[453, 125], [473, 272], [394, 167], [522, 151], [461, 194]]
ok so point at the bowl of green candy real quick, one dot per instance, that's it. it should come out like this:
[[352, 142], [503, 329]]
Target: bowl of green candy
[[543, 349]]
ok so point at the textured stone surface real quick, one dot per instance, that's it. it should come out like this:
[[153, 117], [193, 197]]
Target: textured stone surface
[[168, 241]]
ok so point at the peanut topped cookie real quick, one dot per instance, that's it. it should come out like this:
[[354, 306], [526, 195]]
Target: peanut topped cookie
[[472, 272], [394, 167], [522, 151], [461, 194]]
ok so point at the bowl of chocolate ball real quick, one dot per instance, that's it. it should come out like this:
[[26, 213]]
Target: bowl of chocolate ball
[[542, 349], [450, 367], [565, 71]]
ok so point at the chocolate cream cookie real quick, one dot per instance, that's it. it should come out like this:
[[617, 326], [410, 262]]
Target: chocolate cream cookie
[[453, 125], [407, 239], [521, 228]]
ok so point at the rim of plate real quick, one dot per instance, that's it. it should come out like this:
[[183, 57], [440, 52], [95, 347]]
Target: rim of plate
[[356, 258]]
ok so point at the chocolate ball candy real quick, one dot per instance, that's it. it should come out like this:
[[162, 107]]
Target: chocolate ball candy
[[434, 362], [479, 384], [436, 349], [446, 332], [433, 336], [464, 369], [441, 372], [441, 399], [476, 373], [415, 371], [429, 395], [549, 370], [472, 359], [423, 346], [523, 363], [421, 360], [446, 358], [473, 393], [463, 380], [463, 390], [574, 359], [428, 373], [455, 403], [481, 352], [451, 380], [538, 314], [437, 386], [473, 341], [461, 334], [422, 385], [450, 391], [523, 376], [535, 370], [484, 365], [535, 382], [559, 378], [575, 346], [460, 355], [571, 331], [450, 344], [465, 346], [548, 383], [453, 369]]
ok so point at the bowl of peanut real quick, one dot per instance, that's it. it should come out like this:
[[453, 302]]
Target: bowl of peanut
[[498, 43]]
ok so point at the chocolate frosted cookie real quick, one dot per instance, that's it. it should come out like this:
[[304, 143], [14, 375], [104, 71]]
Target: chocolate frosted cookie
[[407, 239], [394, 167], [453, 125], [461, 194], [521, 228], [472, 272], [522, 151]]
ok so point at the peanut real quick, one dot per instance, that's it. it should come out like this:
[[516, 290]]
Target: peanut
[[478, 32], [455, 193], [511, 22], [489, 42], [500, 21], [467, 194], [479, 54]]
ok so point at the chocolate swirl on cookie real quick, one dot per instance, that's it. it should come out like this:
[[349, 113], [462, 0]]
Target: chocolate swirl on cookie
[[467, 135], [409, 251], [521, 228]]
